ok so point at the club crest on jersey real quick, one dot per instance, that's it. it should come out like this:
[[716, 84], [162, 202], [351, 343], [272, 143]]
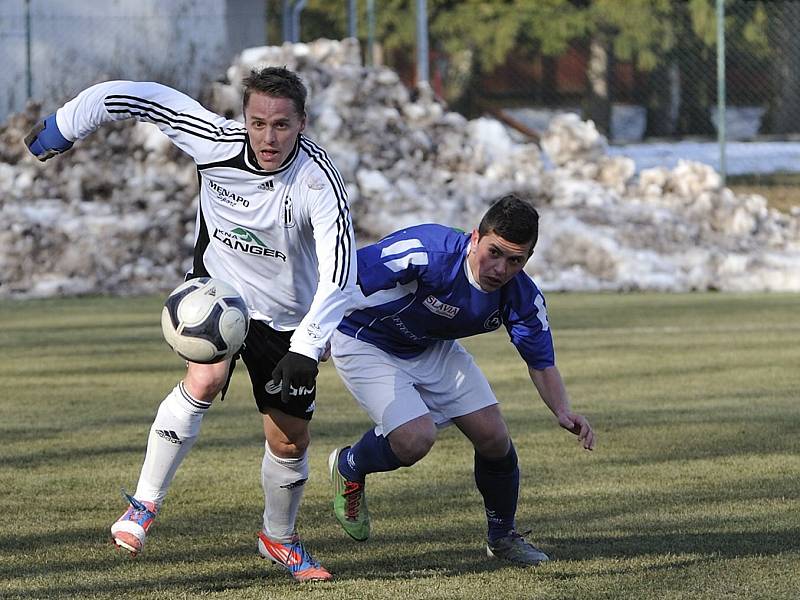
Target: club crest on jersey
[[287, 215], [314, 331], [493, 322], [438, 307], [315, 184]]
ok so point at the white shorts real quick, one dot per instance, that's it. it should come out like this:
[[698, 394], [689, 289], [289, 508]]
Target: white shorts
[[443, 381]]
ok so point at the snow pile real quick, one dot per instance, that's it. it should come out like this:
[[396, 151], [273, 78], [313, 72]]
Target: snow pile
[[673, 229], [116, 214]]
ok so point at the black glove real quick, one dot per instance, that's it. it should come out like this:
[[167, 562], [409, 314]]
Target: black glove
[[294, 371], [44, 140]]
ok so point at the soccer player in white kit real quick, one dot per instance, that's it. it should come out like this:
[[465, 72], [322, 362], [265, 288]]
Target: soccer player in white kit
[[273, 221], [421, 288]]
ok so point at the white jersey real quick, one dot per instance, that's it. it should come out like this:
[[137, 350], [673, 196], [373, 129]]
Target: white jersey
[[284, 238]]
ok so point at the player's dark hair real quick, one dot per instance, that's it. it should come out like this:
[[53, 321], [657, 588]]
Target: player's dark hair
[[278, 82], [513, 219]]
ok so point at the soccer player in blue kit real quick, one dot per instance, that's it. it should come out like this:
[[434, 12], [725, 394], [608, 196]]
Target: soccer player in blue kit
[[421, 288]]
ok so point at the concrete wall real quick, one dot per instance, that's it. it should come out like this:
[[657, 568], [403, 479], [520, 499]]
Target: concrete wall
[[74, 43]]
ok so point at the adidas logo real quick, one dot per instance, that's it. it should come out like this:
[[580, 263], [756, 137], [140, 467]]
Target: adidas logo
[[168, 435], [267, 186]]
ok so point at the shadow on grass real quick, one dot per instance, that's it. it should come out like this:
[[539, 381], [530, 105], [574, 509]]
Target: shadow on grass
[[740, 544], [678, 434], [222, 567], [220, 580], [104, 371], [419, 534], [147, 324], [69, 455], [395, 556]]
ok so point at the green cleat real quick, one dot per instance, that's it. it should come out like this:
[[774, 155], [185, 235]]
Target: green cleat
[[514, 549], [349, 501]]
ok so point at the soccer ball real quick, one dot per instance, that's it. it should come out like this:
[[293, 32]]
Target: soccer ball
[[205, 320]]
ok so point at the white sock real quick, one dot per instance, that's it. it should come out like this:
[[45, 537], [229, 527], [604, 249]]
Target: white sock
[[172, 435], [283, 480]]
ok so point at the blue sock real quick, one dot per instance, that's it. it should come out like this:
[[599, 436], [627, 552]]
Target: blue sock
[[371, 454], [498, 483]]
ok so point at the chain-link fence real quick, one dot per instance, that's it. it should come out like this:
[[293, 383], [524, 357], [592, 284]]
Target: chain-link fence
[[638, 68]]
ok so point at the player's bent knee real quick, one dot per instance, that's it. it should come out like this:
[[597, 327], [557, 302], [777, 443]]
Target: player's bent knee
[[204, 382], [290, 448], [493, 446], [204, 389], [287, 436], [412, 448]]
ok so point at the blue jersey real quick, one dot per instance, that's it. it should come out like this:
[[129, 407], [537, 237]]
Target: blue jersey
[[416, 289]]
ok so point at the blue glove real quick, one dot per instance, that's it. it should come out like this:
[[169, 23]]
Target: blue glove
[[44, 140]]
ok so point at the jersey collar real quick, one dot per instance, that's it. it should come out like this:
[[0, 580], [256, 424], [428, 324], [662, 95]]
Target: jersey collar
[[468, 272], [252, 163]]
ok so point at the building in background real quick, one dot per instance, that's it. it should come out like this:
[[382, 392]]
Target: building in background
[[52, 49]]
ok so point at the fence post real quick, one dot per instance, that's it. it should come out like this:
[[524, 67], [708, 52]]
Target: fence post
[[352, 19], [721, 117], [370, 32], [28, 66], [298, 7], [286, 20], [422, 42]]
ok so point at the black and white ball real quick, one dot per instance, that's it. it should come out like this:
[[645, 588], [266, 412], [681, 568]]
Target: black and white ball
[[205, 320]]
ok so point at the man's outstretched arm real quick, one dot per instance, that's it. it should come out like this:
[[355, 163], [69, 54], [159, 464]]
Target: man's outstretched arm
[[551, 388]]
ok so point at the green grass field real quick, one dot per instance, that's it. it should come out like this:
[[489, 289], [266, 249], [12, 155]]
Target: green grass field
[[782, 190], [692, 492]]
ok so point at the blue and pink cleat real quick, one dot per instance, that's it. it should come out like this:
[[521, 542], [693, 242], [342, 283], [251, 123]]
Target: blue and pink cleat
[[129, 531], [293, 557]]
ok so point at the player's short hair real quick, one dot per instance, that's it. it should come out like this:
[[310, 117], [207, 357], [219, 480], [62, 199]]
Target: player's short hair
[[278, 82], [513, 219]]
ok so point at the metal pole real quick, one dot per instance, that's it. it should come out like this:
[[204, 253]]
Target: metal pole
[[28, 65], [296, 10], [352, 19], [721, 118], [370, 32], [422, 42], [286, 20], [266, 22]]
